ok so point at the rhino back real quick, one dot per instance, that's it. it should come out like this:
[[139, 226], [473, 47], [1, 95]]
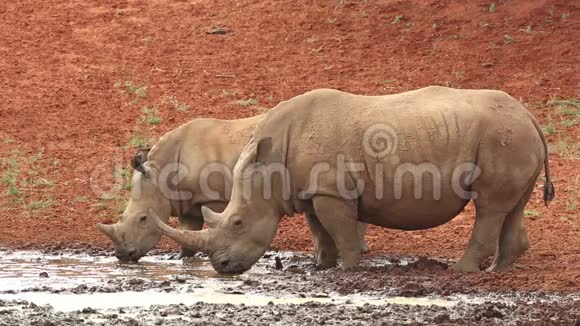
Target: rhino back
[[431, 131], [200, 144]]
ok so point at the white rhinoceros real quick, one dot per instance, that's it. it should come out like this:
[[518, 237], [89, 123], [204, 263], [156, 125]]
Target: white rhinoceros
[[406, 161]]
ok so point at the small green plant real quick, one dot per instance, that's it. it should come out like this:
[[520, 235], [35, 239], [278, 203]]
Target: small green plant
[[172, 100], [527, 30], [153, 120], [124, 175], [531, 213], [137, 140], [42, 182], [569, 123], [571, 112], [80, 199], [492, 8], [140, 92], [363, 14], [571, 205], [247, 102], [40, 204], [9, 177], [397, 19], [508, 39], [565, 15], [566, 148], [229, 92], [151, 115], [549, 129]]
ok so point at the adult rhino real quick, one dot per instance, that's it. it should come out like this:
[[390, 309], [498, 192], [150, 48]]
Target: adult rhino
[[200, 155], [479, 145]]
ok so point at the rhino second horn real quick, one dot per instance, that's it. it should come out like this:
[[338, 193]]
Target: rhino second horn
[[211, 218], [194, 240], [109, 230]]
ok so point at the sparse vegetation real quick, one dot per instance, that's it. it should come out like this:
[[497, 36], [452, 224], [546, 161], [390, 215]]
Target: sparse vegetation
[[40, 204], [137, 140], [569, 123], [549, 129], [9, 177], [492, 8], [508, 39], [247, 102], [80, 199], [151, 115], [566, 149], [532, 213], [229, 92], [527, 30], [140, 92], [397, 20], [124, 176], [571, 205], [178, 106]]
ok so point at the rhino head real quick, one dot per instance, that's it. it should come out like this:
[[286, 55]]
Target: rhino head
[[236, 238], [135, 233]]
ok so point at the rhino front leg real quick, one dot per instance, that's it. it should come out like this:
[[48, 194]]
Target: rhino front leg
[[339, 219], [326, 252], [191, 222]]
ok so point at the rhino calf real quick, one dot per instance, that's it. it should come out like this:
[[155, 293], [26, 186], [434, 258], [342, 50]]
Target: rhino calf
[[187, 168], [406, 161]]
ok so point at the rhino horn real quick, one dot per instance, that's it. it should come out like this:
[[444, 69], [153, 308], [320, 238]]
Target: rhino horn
[[110, 230], [194, 240], [210, 217]]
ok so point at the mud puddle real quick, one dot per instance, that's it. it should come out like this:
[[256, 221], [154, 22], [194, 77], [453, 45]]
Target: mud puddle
[[71, 288]]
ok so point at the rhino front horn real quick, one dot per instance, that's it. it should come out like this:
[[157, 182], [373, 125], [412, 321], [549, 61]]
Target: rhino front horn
[[194, 240], [109, 230]]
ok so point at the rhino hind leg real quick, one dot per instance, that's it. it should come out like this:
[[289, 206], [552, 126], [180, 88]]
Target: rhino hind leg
[[339, 218], [513, 240], [326, 252], [483, 241]]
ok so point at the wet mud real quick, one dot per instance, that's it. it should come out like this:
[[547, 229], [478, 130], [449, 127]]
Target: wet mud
[[70, 288]]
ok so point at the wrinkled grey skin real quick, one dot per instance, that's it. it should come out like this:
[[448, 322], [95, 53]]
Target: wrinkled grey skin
[[442, 126], [195, 146]]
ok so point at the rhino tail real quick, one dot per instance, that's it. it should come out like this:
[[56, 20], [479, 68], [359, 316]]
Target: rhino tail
[[549, 190]]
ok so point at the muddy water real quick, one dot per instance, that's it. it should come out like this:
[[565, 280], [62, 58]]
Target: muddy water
[[44, 280], [75, 288]]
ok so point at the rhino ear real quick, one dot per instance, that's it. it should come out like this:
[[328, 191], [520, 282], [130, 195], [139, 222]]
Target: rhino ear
[[263, 149], [139, 159]]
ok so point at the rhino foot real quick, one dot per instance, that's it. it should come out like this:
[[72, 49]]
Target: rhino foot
[[462, 267], [364, 248], [499, 267]]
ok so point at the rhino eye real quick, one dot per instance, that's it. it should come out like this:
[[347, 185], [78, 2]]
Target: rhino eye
[[238, 223], [143, 219]]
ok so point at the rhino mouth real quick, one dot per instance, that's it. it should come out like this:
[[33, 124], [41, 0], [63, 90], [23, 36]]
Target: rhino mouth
[[131, 255]]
